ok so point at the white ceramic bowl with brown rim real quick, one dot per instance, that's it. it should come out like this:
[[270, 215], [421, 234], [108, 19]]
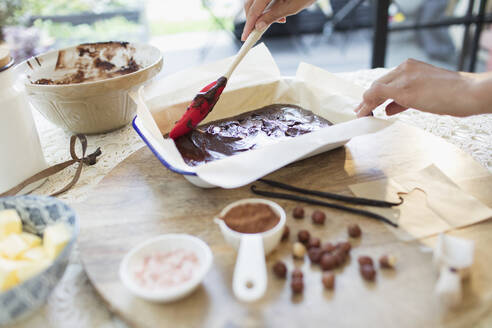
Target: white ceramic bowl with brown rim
[[85, 88]]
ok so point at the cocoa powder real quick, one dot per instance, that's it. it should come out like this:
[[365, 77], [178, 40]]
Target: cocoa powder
[[251, 218]]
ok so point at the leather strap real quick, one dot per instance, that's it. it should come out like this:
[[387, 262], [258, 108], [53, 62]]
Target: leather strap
[[88, 160]]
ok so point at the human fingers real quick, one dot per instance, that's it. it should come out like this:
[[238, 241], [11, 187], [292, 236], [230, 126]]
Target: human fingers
[[376, 95], [255, 11], [279, 10], [385, 79], [389, 77], [274, 14], [394, 108], [247, 5]]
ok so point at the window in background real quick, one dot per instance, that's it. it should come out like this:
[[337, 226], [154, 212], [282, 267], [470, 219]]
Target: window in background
[[37, 25], [440, 46], [333, 34]]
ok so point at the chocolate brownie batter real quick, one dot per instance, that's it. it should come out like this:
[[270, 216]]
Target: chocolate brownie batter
[[250, 130]]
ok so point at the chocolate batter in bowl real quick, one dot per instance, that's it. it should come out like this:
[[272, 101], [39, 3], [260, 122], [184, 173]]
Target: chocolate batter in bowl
[[90, 62], [247, 131], [85, 88]]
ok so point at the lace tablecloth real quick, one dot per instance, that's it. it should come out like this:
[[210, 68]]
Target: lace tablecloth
[[74, 303]]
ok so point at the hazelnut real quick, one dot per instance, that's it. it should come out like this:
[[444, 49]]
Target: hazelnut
[[367, 271], [285, 234], [344, 246], [364, 260], [340, 256], [327, 247], [314, 242], [314, 254], [318, 217], [298, 212], [328, 280], [387, 261], [297, 274], [299, 250], [328, 262], [280, 269], [354, 231], [303, 236], [297, 285]]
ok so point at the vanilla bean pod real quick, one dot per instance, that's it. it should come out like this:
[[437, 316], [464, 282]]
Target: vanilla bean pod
[[322, 203], [347, 199]]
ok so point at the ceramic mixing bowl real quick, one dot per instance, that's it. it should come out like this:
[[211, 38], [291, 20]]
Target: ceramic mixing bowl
[[36, 213], [85, 88]]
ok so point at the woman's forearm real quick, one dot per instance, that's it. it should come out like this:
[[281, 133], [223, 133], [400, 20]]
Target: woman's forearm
[[481, 91]]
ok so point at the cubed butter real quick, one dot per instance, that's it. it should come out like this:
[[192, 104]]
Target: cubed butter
[[8, 273], [31, 269], [31, 239], [10, 223], [55, 238], [13, 246], [34, 254]]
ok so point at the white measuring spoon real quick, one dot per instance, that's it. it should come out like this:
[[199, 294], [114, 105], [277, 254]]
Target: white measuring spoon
[[250, 277]]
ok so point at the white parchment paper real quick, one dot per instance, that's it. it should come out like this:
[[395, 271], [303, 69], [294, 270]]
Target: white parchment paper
[[255, 83]]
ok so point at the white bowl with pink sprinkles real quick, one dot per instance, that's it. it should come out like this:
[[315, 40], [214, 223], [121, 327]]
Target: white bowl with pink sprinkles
[[166, 268]]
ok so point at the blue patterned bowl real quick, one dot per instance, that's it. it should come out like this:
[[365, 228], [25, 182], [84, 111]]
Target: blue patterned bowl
[[36, 213]]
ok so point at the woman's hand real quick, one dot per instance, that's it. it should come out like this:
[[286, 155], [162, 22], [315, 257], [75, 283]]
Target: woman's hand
[[418, 85], [259, 16]]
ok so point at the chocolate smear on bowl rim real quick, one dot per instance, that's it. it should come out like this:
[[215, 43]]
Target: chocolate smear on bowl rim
[[92, 63]]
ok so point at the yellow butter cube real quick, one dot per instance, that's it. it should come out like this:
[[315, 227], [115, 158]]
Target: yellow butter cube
[[13, 246], [34, 254], [55, 238], [31, 269], [10, 223], [31, 239], [8, 273]]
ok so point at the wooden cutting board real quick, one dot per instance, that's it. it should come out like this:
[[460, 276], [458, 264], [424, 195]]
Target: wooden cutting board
[[140, 199]]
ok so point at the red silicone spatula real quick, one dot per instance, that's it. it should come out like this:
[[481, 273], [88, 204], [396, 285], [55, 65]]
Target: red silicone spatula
[[205, 100]]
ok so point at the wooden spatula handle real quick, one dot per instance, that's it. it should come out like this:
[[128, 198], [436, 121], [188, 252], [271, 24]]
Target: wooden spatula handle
[[253, 37]]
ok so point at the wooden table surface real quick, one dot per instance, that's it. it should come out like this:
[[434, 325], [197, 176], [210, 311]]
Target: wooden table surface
[[140, 199]]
